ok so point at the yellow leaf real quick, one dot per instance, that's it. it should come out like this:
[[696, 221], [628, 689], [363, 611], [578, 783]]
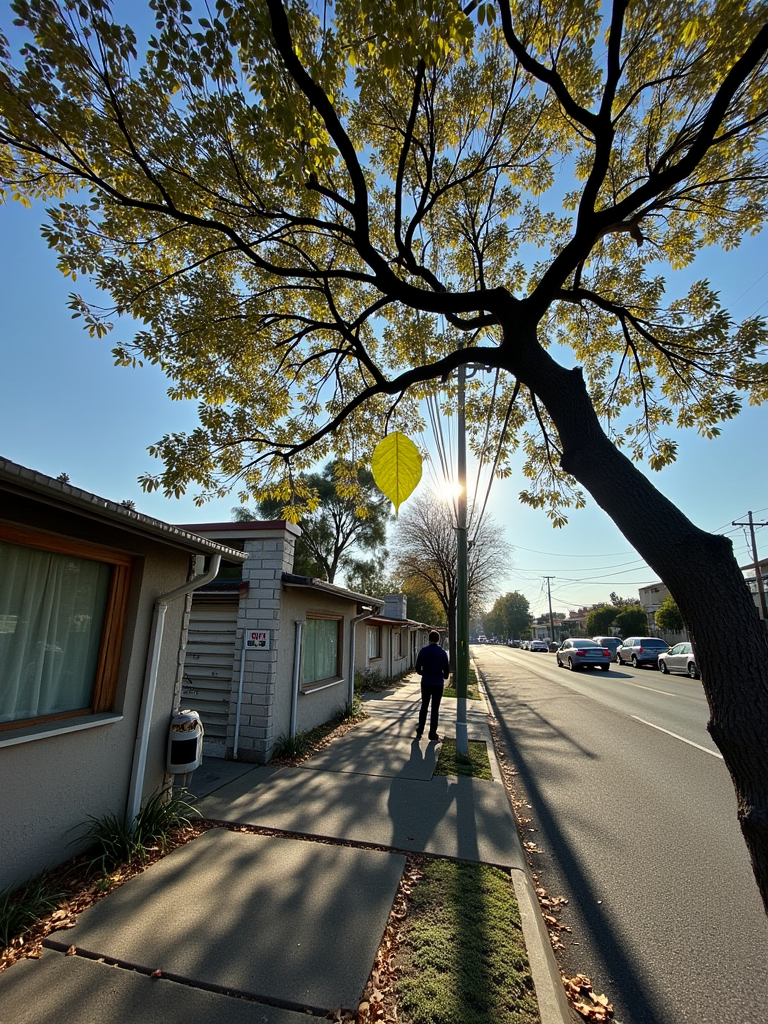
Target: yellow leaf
[[396, 467]]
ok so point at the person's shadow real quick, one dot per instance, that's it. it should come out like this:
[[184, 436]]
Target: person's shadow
[[418, 800]]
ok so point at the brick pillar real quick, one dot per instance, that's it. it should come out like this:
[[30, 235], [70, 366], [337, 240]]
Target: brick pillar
[[270, 555]]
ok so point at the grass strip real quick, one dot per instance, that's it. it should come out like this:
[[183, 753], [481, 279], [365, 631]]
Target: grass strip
[[462, 959], [477, 764], [473, 692]]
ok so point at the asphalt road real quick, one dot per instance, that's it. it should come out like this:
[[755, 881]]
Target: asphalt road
[[635, 820]]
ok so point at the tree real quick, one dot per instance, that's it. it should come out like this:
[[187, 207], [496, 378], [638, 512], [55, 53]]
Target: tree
[[599, 620], [509, 616], [668, 617], [338, 513], [632, 621], [424, 546], [311, 249]]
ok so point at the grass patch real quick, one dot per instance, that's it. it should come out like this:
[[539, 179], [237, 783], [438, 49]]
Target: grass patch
[[462, 959], [473, 691], [477, 764]]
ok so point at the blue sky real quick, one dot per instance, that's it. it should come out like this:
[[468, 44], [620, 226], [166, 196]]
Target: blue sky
[[66, 408]]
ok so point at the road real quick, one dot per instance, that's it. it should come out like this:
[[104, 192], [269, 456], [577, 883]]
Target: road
[[635, 820]]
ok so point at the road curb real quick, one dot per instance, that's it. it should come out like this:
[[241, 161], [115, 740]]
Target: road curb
[[547, 981]]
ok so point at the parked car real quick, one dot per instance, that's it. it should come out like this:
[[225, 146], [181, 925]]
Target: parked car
[[538, 645], [513, 643], [525, 645], [611, 642], [679, 658], [641, 650], [577, 652]]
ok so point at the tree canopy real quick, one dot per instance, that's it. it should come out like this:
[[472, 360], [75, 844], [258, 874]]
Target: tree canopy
[[317, 212], [668, 617], [599, 620], [509, 616], [425, 555], [339, 512]]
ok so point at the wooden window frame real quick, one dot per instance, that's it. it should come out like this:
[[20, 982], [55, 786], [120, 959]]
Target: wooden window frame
[[315, 684], [113, 630]]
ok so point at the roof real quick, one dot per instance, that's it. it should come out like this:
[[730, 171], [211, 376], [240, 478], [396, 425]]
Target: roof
[[292, 580], [238, 529], [23, 481]]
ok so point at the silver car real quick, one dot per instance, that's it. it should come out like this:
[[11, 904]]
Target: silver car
[[679, 658], [641, 650], [576, 652]]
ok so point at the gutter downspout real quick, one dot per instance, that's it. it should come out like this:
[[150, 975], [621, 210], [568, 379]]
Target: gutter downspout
[[239, 699], [352, 630], [297, 642], [139, 767]]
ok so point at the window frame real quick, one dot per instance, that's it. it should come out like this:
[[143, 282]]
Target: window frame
[[371, 630], [104, 691], [316, 684]]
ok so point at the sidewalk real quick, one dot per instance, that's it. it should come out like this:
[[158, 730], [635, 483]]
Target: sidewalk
[[271, 929]]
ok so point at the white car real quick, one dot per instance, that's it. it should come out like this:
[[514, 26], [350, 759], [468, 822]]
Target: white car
[[679, 658], [538, 645]]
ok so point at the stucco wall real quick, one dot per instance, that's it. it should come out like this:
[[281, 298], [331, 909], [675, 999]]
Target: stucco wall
[[314, 706], [51, 784]]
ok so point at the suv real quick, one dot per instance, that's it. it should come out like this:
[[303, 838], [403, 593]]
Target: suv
[[641, 650], [611, 642]]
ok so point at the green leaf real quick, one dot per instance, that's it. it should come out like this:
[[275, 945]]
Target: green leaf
[[396, 467]]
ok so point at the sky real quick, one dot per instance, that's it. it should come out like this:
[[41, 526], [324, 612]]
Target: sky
[[65, 408]]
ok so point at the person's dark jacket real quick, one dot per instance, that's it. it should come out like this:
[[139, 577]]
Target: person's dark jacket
[[432, 664]]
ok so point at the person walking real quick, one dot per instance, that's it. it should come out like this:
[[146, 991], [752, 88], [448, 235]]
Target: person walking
[[432, 665]]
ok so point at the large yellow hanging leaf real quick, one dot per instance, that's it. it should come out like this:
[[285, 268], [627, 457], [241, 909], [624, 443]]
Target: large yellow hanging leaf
[[396, 467]]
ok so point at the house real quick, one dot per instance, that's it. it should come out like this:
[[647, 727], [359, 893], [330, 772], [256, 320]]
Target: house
[[391, 640], [93, 602], [652, 597], [270, 653]]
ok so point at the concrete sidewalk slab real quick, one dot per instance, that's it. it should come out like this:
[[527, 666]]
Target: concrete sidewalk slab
[[59, 989], [465, 818], [379, 747], [297, 923]]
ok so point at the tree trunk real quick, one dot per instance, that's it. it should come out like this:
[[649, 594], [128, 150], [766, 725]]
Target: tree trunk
[[703, 577]]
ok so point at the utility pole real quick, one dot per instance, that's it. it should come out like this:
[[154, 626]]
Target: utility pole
[[462, 597], [758, 574], [549, 600]]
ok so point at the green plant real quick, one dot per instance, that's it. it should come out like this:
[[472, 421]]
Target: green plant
[[292, 747], [477, 764], [117, 841], [462, 959], [21, 907]]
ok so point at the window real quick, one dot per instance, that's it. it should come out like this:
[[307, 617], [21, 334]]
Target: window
[[374, 642], [62, 610], [399, 644], [322, 650]]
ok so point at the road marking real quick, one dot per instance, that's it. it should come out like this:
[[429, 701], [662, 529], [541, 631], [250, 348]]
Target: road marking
[[706, 750], [654, 690]]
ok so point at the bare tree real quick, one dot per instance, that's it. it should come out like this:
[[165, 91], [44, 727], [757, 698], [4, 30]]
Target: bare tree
[[424, 549]]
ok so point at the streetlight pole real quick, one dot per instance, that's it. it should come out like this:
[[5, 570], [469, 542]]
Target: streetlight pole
[[462, 597]]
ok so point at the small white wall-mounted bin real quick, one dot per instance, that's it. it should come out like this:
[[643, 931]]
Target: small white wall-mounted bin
[[185, 743]]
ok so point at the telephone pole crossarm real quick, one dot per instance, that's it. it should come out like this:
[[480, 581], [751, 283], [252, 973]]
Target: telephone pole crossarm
[[762, 609]]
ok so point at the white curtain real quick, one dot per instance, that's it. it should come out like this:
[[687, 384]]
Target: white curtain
[[52, 610], [321, 649]]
